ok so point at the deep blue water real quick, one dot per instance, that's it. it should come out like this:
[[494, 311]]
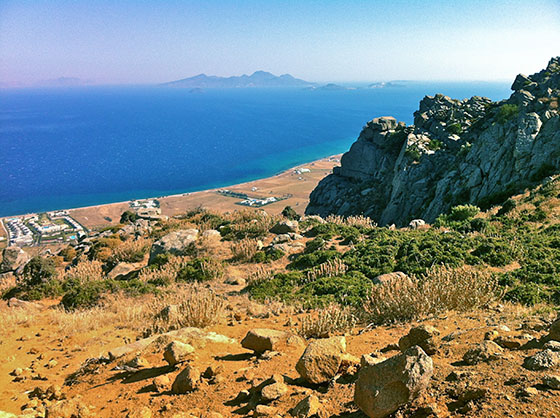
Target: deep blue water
[[64, 148]]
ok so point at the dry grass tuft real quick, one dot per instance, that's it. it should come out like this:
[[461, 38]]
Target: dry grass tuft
[[131, 251], [261, 274], [192, 306], [331, 268], [244, 250], [85, 271], [327, 322], [441, 289], [357, 221], [13, 318]]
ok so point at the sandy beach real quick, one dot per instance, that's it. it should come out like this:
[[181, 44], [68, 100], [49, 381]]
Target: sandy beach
[[295, 187]]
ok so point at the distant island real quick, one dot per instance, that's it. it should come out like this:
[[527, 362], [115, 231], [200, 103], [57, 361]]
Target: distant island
[[257, 79]]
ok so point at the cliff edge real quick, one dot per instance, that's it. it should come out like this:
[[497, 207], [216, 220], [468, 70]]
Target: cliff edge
[[458, 151]]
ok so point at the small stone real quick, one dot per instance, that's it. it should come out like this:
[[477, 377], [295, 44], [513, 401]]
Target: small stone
[[17, 372], [161, 383], [485, 351], [552, 345], [144, 412], [552, 381], [264, 411], [307, 407], [51, 364], [543, 360], [138, 362], [274, 391], [186, 381], [528, 392], [491, 335], [423, 336], [321, 359], [177, 352], [213, 371], [260, 340]]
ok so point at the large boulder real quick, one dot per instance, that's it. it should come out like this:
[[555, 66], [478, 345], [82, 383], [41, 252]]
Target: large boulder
[[175, 243], [123, 269], [322, 359], [383, 387], [13, 258], [261, 339]]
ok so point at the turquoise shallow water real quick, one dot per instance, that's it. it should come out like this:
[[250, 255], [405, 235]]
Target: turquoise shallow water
[[64, 148]]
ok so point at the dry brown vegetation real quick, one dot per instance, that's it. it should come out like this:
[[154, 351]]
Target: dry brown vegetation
[[441, 289], [327, 322]]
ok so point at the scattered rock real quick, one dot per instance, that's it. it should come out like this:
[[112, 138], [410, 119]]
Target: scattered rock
[[417, 223], [138, 362], [264, 411], [543, 360], [307, 407], [123, 269], [236, 281], [212, 234], [273, 391], [175, 243], [554, 331], [552, 345], [213, 371], [70, 408], [261, 339], [13, 258], [390, 278], [285, 227], [485, 351], [144, 412], [552, 381], [321, 359], [423, 336], [186, 381], [161, 383], [384, 387], [177, 352]]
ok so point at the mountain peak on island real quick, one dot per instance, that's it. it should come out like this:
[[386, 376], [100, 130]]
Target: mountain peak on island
[[257, 79]]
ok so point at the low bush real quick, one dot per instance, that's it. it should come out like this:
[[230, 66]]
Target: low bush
[[244, 250], [200, 270]]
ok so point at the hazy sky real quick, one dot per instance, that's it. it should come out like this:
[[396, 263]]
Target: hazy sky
[[157, 41]]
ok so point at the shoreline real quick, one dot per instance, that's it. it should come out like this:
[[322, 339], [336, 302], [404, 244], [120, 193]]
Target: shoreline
[[283, 183]]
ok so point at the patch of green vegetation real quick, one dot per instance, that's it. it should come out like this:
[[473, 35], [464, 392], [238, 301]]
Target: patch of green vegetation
[[506, 112], [413, 152], [200, 270], [434, 144], [455, 128]]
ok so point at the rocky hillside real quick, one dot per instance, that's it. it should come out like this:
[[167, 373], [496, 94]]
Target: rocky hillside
[[470, 151]]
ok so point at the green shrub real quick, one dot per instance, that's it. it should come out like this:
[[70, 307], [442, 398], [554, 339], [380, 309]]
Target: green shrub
[[128, 216], [455, 128], [290, 213], [412, 152], [200, 270], [507, 112], [507, 207], [463, 212], [38, 271]]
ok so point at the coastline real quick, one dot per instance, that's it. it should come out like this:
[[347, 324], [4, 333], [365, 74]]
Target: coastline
[[294, 187]]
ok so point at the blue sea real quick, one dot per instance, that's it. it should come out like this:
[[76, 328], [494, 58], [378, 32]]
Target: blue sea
[[65, 148]]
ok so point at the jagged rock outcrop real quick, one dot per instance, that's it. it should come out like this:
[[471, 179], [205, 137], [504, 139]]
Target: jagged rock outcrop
[[458, 151]]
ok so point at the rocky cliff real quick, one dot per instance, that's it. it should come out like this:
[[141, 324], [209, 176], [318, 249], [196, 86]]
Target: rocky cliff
[[475, 150]]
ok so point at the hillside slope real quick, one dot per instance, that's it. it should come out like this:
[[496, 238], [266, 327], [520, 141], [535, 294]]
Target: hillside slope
[[469, 151]]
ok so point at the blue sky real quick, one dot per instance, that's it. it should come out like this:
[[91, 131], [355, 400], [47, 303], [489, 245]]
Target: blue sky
[[158, 41]]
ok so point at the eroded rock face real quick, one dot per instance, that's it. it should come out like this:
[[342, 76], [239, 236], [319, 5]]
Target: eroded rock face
[[175, 243], [457, 151], [321, 359], [383, 387], [13, 258], [424, 336]]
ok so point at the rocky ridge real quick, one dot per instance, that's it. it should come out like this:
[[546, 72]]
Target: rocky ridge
[[458, 151]]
